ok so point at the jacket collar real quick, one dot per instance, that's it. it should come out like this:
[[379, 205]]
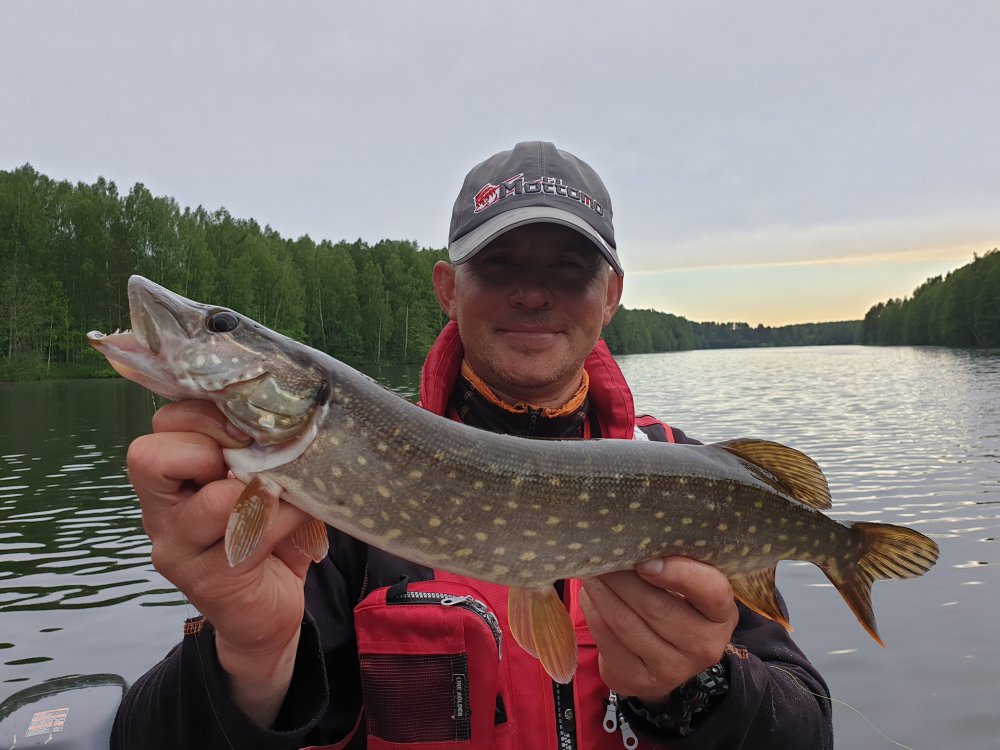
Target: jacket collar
[[609, 394]]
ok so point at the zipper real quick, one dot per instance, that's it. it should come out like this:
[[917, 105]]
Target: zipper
[[562, 694], [467, 602], [533, 415], [364, 586], [615, 719], [565, 715]]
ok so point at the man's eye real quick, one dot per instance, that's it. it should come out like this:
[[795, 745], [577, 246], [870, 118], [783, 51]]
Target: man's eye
[[574, 266]]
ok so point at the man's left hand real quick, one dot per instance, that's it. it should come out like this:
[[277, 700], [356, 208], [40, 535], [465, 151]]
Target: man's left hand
[[659, 625]]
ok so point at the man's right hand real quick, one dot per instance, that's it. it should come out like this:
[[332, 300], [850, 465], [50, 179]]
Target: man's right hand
[[186, 496]]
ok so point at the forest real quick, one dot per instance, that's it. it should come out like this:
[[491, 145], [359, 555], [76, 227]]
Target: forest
[[67, 250], [960, 309]]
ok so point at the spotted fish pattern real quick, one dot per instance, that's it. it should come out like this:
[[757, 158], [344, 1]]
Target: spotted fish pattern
[[498, 508]]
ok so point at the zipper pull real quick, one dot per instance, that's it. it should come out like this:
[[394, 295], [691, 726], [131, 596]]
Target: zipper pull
[[629, 738], [611, 715], [470, 602], [615, 719]]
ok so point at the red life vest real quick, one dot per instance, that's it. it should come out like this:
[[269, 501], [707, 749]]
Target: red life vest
[[440, 669], [610, 396]]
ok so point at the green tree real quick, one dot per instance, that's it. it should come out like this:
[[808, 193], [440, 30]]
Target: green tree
[[21, 319], [376, 314]]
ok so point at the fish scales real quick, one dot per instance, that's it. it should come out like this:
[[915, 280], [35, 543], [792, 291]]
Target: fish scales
[[552, 517], [509, 510]]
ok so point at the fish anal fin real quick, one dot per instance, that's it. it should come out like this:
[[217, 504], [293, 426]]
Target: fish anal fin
[[889, 551], [250, 518], [541, 625], [312, 540], [757, 591], [798, 475]]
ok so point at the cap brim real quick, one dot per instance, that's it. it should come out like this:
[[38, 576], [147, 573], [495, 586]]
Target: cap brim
[[466, 247]]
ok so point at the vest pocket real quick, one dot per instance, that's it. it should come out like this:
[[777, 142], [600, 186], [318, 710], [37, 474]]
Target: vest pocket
[[430, 656], [415, 698]]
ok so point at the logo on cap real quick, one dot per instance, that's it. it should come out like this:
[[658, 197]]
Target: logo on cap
[[489, 193]]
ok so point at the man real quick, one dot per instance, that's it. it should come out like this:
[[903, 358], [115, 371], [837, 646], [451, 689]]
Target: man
[[288, 655]]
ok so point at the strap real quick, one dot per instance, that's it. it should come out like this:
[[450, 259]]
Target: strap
[[654, 429]]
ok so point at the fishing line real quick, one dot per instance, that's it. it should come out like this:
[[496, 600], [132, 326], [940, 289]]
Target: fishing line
[[204, 679], [878, 731]]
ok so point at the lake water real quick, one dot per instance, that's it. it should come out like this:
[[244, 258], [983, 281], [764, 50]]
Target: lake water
[[905, 435]]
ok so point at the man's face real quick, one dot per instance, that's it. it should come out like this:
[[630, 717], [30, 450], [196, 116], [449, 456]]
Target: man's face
[[530, 307]]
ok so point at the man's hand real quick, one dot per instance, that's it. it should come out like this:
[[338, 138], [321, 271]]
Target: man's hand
[[257, 607], [659, 625]]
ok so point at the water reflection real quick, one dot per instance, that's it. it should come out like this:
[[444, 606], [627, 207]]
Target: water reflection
[[79, 522], [906, 436], [74, 561]]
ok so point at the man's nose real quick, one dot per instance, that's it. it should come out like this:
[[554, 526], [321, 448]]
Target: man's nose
[[531, 290]]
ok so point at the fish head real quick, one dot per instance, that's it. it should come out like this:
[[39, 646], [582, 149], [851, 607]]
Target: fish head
[[265, 383]]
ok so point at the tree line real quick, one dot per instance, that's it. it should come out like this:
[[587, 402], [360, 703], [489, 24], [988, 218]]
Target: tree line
[[641, 331], [961, 309], [67, 250]]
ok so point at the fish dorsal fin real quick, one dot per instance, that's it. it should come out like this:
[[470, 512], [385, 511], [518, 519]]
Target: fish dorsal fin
[[757, 591], [797, 474], [540, 624], [250, 518], [312, 540]]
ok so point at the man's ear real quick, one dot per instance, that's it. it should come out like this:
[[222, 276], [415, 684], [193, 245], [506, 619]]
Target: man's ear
[[616, 284], [444, 287]]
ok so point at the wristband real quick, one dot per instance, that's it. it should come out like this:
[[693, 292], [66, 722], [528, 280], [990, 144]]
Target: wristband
[[687, 706]]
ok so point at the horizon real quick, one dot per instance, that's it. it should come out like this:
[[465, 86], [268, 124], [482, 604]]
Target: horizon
[[926, 262], [769, 164]]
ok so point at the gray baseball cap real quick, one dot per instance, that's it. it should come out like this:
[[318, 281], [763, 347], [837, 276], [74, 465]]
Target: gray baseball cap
[[533, 182]]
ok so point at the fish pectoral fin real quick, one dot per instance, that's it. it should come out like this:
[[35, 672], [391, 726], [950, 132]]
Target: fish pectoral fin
[[540, 624], [250, 518], [312, 540], [798, 475], [757, 591]]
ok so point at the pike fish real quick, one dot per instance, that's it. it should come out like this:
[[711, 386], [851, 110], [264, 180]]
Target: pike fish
[[513, 511]]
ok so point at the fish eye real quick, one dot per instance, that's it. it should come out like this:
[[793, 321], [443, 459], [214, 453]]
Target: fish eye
[[222, 322]]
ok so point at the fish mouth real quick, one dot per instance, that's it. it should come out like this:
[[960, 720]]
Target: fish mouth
[[131, 359], [114, 345], [142, 338], [161, 320]]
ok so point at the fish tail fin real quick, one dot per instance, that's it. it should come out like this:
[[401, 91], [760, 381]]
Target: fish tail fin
[[888, 551]]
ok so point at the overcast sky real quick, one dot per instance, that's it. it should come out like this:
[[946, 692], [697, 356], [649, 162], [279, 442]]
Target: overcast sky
[[768, 162]]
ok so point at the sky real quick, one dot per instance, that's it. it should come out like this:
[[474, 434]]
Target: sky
[[768, 162]]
